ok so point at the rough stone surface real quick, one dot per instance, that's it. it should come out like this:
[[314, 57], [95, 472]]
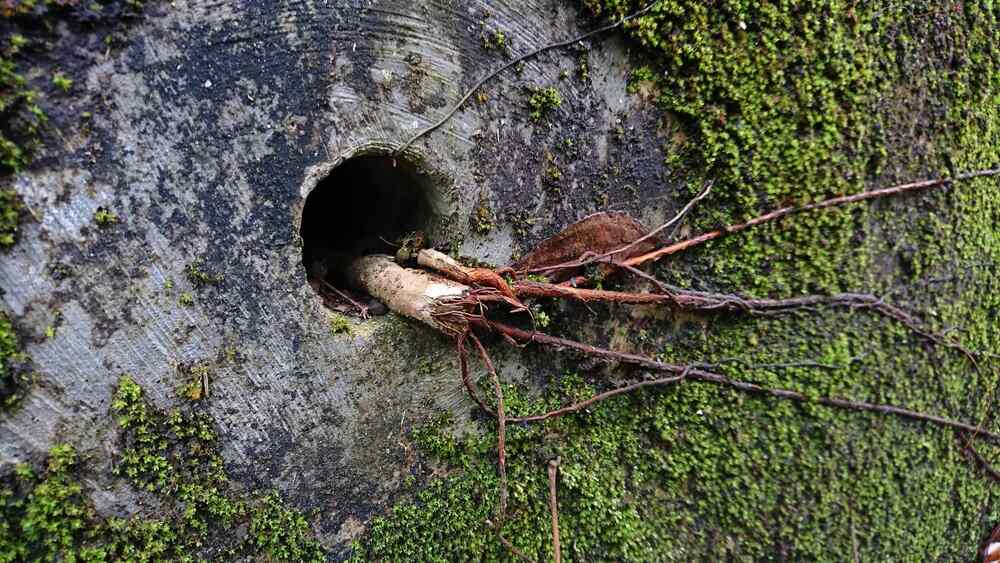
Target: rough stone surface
[[211, 124]]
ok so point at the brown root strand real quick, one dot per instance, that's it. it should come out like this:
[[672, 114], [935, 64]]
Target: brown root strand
[[730, 303], [510, 547], [488, 278], [452, 269], [501, 425], [511, 64], [695, 373], [785, 211], [965, 442], [463, 362]]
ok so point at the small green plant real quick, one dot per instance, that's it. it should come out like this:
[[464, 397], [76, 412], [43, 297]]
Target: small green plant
[[542, 102], [16, 42], [62, 82], [339, 325], [104, 217], [542, 319], [409, 245], [583, 67], [282, 533], [186, 298], [496, 41], [196, 379], [200, 277], [10, 212], [483, 220], [14, 377]]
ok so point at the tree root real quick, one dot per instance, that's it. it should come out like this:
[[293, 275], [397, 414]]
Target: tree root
[[461, 306], [785, 211], [699, 301], [699, 372]]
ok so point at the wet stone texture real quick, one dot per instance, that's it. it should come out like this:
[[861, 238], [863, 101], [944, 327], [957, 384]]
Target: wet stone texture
[[210, 126]]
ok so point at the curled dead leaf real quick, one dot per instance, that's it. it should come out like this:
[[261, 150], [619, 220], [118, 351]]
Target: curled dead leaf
[[598, 234]]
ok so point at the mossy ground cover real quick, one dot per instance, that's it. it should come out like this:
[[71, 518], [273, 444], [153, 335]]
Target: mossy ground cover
[[46, 515], [778, 102]]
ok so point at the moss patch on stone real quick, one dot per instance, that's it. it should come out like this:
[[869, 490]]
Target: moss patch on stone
[[13, 373], [778, 102], [46, 515]]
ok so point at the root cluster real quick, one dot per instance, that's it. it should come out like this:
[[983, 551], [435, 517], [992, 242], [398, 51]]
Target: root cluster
[[474, 312]]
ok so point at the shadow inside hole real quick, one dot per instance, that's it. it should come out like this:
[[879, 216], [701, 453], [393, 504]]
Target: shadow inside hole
[[365, 206]]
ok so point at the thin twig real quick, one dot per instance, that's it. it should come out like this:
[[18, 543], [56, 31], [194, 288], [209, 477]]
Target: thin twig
[[506, 543], [783, 365], [479, 84], [554, 509], [361, 308], [970, 450], [687, 372], [855, 557], [784, 211], [598, 398]]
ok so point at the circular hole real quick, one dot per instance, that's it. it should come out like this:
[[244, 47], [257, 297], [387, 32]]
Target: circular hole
[[364, 206]]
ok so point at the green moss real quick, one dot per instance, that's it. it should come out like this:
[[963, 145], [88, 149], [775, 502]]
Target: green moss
[[483, 220], [14, 377], [104, 217], [22, 117], [281, 533], [199, 277], [10, 213], [789, 104], [339, 324], [496, 40], [46, 515], [62, 82], [43, 518], [779, 103], [542, 102]]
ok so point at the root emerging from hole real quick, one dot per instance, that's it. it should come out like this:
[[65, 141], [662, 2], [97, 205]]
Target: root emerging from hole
[[370, 204]]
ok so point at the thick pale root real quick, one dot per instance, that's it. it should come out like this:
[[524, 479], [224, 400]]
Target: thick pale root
[[405, 291]]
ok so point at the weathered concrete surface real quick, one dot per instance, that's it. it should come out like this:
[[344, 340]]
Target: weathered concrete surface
[[210, 127]]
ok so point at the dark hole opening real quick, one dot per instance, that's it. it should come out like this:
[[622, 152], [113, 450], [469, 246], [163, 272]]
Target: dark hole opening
[[365, 206]]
